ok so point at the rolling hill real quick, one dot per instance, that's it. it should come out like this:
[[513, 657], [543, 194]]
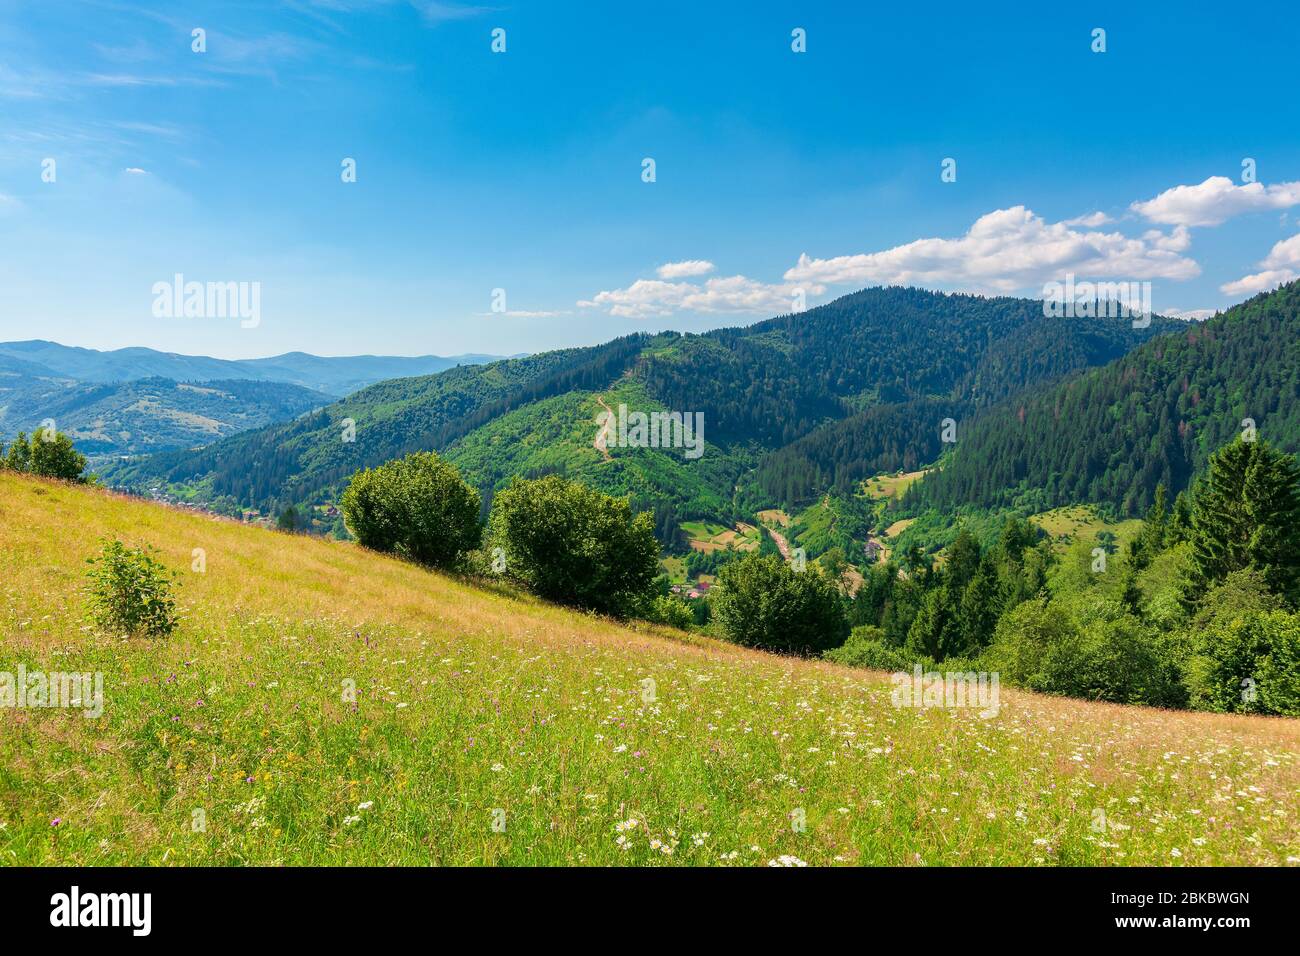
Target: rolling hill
[[877, 356], [146, 415], [490, 728]]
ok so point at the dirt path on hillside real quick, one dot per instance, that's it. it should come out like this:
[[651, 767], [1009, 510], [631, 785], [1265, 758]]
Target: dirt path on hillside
[[781, 544], [602, 437]]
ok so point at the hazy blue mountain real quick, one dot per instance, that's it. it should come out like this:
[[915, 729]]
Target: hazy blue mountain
[[335, 375], [146, 415]]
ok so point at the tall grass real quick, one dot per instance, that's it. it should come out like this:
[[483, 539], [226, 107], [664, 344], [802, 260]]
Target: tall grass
[[490, 728]]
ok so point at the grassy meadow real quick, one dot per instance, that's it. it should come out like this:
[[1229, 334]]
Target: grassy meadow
[[490, 728]]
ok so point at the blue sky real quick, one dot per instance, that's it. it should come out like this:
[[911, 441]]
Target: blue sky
[[522, 170]]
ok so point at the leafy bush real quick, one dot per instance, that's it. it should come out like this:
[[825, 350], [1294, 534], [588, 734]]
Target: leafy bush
[[762, 602], [866, 647], [48, 453], [130, 592], [417, 507], [1116, 658], [671, 611], [569, 543], [1249, 664]]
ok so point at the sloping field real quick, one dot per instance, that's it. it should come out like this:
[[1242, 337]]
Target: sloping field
[[490, 728]]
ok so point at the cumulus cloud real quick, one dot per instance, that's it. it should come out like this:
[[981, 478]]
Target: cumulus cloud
[[685, 269], [1009, 250], [1092, 220], [1259, 282], [647, 298], [1280, 266], [1215, 201]]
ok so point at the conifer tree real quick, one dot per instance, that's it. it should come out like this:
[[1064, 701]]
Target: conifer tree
[[1246, 514]]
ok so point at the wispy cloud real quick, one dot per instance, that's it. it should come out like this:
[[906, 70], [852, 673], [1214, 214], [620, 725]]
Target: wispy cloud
[[439, 11]]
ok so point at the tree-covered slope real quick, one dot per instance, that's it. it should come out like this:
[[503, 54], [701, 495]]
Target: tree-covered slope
[[775, 381], [307, 459], [1154, 416], [867, 358]]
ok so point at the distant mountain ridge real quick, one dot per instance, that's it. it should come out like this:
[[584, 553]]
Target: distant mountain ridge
[[334, 375], [843, 371], [149, 414]]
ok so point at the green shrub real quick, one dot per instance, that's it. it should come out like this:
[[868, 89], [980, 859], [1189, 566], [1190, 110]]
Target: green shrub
[[571, 544], [130, 592], [1115, 658], [417, 507], [671, 611], [1249, 664], [48, 453], [866, 647], [1279, 672], [762, 602]]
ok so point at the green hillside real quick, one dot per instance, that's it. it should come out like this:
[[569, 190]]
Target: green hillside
[[898, 360], [487, 727], [1110, 435]]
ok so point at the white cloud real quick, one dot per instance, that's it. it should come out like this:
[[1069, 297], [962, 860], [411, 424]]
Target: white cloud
[[1259, 282], [1189, 315], [646, 298], [1008, 250], [1280, 266], [1216, 200], [685, 269], [1284, 253], [1092, 220], [136, 171]]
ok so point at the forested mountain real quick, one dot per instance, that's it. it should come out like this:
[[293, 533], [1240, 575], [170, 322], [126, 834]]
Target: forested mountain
[[858, 384], [145, 415], [305, 460], [1112, 434], [138, 400]]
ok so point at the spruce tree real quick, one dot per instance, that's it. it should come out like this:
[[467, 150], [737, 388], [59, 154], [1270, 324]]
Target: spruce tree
[[1246, 514]]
